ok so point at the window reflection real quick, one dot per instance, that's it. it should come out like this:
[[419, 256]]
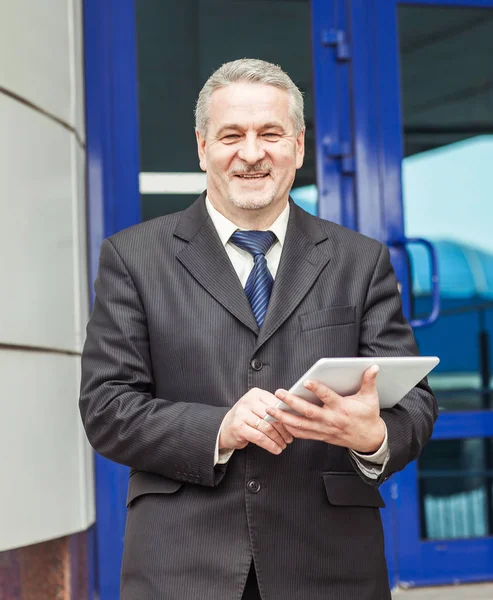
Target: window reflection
[[447, 181], [456, 488], [179, 44]]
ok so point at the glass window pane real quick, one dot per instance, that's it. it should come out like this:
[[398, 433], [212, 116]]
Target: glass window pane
[[457, 509], [456, 488], [447, 96], [179, 44]]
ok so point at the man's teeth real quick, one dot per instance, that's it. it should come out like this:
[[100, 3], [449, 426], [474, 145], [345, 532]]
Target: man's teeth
[[253, 176]]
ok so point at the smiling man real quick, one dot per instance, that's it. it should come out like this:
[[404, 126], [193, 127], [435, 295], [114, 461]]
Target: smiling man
[[250, 146], [202, 320]]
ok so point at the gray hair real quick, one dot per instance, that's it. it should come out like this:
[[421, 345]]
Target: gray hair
[[249, 70]]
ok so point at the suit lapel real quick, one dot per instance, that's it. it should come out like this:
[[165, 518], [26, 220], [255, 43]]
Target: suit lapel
[[205, 258], [305, 253]]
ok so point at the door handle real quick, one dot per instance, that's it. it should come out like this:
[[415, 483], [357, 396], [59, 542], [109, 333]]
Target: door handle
[[435, 280]]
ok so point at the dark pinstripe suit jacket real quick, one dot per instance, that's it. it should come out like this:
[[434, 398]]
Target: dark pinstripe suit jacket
[[169, 350]]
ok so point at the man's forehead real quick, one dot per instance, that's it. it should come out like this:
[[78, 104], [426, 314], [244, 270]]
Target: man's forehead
[[250, 102]]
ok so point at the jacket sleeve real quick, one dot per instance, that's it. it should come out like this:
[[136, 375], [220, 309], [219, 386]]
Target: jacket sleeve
[[385, 332], [123, 420]]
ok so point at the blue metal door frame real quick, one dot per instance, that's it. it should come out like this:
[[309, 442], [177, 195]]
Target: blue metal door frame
[[348, 146], [417, 562], [437, 562], [113, 204], [332, 66]]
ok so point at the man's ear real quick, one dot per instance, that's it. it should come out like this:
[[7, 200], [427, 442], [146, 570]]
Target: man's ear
[[300, 149], [201, 151]]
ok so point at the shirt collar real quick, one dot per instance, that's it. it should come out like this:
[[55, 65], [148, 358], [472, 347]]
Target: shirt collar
[[225, 228]]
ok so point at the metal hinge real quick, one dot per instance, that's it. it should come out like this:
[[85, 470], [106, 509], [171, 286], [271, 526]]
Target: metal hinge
[[337, 38], [342, 151]]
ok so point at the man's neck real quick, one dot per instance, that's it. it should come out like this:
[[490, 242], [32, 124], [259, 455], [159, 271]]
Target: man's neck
[[244, 218]]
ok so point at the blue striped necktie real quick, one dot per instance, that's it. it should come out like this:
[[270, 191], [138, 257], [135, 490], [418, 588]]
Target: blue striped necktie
[[259, 284]]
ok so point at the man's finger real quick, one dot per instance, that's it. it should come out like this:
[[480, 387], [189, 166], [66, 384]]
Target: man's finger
[[326, 395], [258, 423], [260, 439], [286, 436], [307, 435], [302, 407], [268, 399], [369, 382], [295, 422]]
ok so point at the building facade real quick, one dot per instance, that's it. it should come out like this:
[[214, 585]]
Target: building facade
[[98, 101]]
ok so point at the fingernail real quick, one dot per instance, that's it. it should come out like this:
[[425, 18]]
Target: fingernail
[[278, 451], [281, 393], [376, 368]]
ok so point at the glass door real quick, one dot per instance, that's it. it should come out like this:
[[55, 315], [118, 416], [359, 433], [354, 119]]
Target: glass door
[[435, 95], [179, 45]]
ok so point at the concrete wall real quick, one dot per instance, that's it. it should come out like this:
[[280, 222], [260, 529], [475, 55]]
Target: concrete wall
[[46, 464]]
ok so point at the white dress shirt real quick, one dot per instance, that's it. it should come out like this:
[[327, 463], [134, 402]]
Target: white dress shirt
[[372, 465]]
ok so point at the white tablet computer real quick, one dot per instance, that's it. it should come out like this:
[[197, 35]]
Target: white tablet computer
[[397, 376]]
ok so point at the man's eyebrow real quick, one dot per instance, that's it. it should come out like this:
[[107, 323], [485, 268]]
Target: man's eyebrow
[[272, 125], [236, 127], [224, 128]]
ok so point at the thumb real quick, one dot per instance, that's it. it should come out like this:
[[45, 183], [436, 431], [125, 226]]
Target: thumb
[[369, 382]]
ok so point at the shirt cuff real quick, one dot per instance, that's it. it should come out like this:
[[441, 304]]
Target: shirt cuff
[[221, 457], [372, 465]]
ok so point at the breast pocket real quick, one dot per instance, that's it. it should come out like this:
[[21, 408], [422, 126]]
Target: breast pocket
[[328, 317]]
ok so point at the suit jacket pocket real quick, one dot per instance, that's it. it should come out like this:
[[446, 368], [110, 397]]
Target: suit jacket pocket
[[142, 482], [328, 317], [348, 489]]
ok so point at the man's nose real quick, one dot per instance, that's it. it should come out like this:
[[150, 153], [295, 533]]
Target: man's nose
[[251, 150]]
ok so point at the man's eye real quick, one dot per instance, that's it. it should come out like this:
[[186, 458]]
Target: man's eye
[[271, 136], [231, 136]]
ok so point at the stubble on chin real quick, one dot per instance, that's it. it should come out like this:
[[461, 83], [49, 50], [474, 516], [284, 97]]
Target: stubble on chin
[[250, 202]]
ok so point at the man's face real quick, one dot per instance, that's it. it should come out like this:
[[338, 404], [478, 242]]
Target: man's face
[[251, 151]]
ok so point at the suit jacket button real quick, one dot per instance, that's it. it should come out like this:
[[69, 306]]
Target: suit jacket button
[[256, 364], [253, 486]]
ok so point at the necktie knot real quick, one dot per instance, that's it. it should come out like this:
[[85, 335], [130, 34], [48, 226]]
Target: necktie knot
[[255, 242]]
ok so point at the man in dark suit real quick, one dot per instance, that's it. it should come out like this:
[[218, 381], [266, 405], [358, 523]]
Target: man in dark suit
[[202, 319]]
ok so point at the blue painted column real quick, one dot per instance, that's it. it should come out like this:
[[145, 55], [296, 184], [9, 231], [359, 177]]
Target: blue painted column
[[113, 204]]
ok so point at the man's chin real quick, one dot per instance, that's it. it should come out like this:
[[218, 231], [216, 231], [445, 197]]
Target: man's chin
[[251, 202]]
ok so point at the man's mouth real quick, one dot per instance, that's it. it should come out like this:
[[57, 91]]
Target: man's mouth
[[252, 175]]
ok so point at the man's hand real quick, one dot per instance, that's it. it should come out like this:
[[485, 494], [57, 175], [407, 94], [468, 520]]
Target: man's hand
[[244, 423], [352, 421]]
